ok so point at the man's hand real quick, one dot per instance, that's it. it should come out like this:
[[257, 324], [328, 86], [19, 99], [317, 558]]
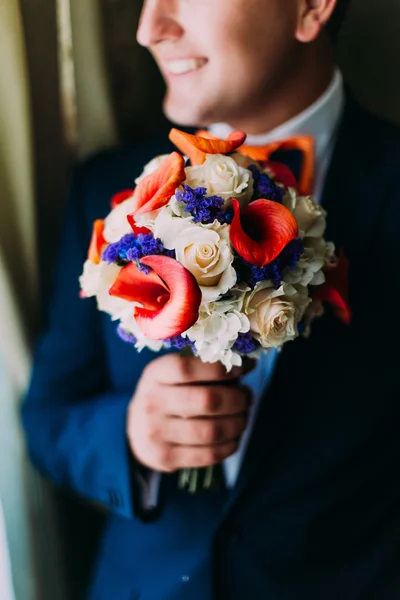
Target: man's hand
[[186, 413]]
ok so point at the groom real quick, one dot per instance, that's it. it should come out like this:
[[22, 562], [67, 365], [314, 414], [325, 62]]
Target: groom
[[309, 440]]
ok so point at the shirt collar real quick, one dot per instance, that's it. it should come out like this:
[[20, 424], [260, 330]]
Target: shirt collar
[[319, 120]]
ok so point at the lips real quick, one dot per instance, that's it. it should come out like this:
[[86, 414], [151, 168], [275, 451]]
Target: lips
[[183, 66]]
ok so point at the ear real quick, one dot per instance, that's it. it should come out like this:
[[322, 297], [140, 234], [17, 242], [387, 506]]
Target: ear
[[313, 15]]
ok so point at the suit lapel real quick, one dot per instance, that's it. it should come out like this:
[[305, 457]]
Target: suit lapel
[[344, 193]]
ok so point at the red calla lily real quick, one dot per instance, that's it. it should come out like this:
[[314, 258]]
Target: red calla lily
[[281, 174], [261, 231], [97, 243], [155, 190], [134, 285], [121, 197], [170, 296], [335, 290], [198, 146]]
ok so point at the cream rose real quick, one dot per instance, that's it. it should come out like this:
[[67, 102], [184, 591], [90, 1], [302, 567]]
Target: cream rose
[[116, 224], [222, 177], [275, 314], [206, 253], [310, 215]]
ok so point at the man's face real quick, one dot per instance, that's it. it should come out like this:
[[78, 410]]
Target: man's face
[[221, 59]]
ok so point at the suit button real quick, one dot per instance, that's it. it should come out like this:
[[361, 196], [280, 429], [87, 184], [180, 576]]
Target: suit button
[[185, 578]]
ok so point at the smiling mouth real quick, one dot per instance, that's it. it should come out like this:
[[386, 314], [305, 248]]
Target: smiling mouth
[[184, 66]]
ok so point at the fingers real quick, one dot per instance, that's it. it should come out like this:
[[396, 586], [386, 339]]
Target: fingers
[[207, 401], [203, 432], [176, 370], [169, 458]]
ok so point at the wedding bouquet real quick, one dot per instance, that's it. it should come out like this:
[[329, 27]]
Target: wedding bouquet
[[221, 255]]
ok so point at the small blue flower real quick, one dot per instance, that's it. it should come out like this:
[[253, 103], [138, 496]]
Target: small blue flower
[[204, 209], [245, 344], [131, 249], [149, 244], [125, 336], [265, 187], [179, 342], [288, 258], [111, 253]]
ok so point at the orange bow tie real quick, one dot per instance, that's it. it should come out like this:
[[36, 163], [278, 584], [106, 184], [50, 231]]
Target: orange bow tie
[[303, 143]]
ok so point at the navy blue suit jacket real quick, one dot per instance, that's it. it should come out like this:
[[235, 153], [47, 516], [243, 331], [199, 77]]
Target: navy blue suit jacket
[[316, 509]]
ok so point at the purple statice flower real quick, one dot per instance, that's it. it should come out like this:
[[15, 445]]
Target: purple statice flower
[[117, 252], [143, 268], [204, 209], [125, 336], [288, 258], [149, 244], [111, 253], [179, 342], [245, 344], [131, 249], [126, 243], [265, 187]]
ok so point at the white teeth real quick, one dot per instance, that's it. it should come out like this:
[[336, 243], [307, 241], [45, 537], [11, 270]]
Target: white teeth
[[178, 67]]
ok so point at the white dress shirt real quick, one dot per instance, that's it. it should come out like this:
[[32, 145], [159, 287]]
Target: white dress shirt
[[320, 120]]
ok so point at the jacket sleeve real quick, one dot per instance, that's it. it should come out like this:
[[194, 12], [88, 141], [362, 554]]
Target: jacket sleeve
[[74, 420]]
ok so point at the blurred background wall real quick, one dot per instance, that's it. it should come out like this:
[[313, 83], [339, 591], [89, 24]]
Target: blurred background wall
[[75, 81]]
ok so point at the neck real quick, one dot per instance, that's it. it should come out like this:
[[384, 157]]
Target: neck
[[304, 85]]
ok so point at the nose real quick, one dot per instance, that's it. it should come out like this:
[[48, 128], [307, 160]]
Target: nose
[[158, 22]]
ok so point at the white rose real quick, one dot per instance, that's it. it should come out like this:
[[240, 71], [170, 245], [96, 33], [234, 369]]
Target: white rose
[[96, 280], [221, 176], [207, 254], [116, 224], [151, 167], [167, 225], [275, 314], [214, 334], [310, 215], [129, 324], [308, 270]]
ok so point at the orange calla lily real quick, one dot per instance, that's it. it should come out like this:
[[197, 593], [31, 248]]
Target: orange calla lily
[[155, 190], [198, 146], [97, 243], [335, 290], [169, 294], [260, 232]]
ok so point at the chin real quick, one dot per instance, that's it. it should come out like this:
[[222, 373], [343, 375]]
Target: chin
[[186, 113]]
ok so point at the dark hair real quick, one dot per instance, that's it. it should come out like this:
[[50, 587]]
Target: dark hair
[[336, 20]]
